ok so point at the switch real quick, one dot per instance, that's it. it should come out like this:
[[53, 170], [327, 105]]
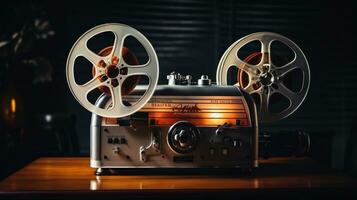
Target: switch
[[116, 150], [237, 143], [110, 140], [204, 80], [116, 141]]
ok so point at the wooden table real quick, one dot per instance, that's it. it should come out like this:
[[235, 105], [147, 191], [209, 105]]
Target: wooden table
[[62, 177]]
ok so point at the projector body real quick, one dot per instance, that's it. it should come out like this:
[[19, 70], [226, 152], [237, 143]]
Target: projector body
[[183, 126]]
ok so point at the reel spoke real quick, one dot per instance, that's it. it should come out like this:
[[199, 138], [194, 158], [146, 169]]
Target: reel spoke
[[250, 88], [118, 44], [264, 101], [81, 49], [265, 50], [145, 69], [116, 98], [137, 70], [265, 41], [91, 56], [91, 85], [286, 92], [248, 68], [287, 68]]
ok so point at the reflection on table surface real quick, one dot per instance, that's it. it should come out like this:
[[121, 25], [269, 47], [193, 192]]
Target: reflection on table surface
[[74, 173]]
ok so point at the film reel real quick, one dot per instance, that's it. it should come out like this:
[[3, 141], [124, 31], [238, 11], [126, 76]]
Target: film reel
[[115, 68], [266, 74]]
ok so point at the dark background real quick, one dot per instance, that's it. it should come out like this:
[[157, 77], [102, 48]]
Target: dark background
[[189, 36]]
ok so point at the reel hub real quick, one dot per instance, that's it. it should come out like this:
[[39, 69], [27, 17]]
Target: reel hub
[[112, 71], [266, 79]]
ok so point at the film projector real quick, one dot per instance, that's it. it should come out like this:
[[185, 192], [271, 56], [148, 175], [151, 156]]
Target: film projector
[[186, 123]]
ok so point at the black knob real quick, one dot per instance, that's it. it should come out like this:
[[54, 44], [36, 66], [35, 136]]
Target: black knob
[[183, 137]]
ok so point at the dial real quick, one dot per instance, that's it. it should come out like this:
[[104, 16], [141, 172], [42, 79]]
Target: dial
[[183, 137]]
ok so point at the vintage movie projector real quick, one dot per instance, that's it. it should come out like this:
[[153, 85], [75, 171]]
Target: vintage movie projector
[[187, 123]]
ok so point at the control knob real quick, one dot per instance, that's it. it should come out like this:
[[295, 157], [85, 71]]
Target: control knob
[[183, 137], [204, 80]]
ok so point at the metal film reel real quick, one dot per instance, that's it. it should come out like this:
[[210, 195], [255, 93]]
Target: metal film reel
[[267, 74], [116, 69]]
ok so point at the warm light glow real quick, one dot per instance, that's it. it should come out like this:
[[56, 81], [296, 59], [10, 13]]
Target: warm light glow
[[208, 111], [216, 115], [12, 105]]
